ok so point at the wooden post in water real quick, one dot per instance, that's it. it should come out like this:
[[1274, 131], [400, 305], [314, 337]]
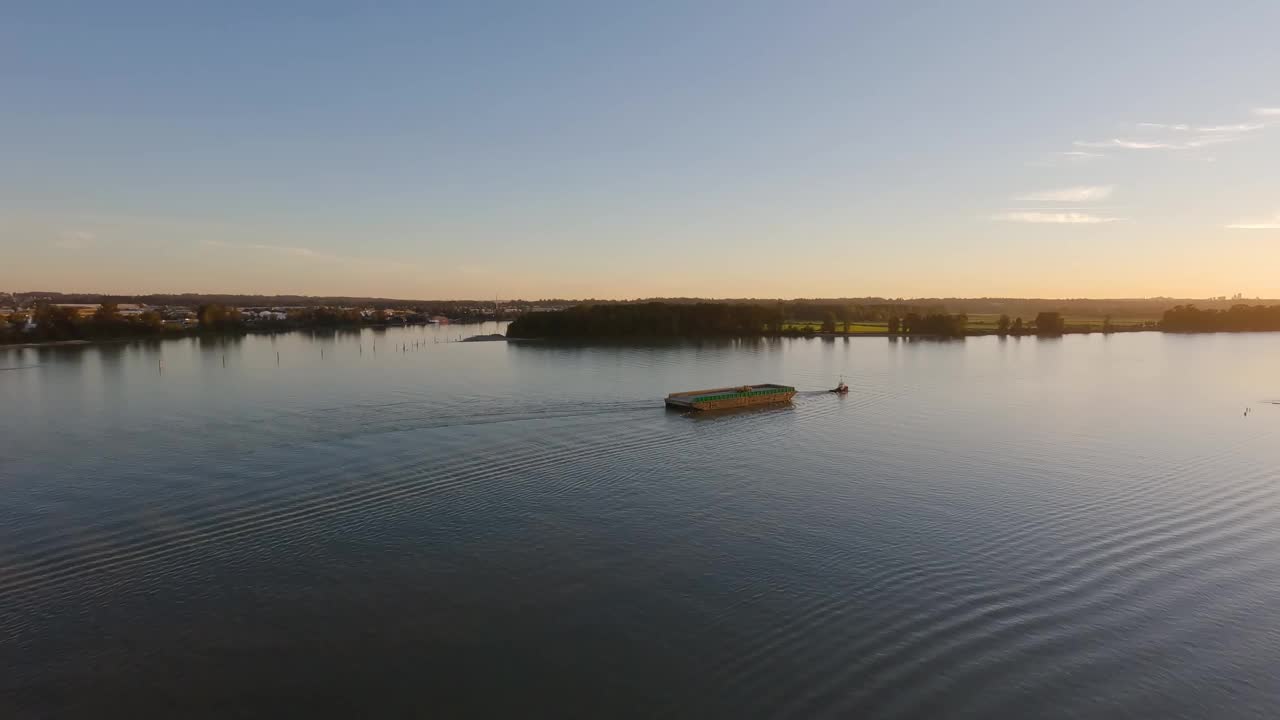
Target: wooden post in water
[[277, 358]]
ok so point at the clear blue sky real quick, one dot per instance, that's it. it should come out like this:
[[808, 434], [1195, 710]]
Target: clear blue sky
[[621, 150]]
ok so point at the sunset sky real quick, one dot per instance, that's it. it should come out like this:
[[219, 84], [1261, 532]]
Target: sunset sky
[[588, 149]]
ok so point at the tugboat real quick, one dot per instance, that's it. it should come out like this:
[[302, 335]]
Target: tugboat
[[840, 389]]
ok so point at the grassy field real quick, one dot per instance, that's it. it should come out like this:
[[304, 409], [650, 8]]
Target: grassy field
[[854, 328], [979, 323], [1094, 322]]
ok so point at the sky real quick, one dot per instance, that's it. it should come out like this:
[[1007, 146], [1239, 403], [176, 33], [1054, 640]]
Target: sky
[[619, 150]]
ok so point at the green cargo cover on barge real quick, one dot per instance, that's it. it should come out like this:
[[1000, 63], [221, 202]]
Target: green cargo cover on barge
[[731, 397]]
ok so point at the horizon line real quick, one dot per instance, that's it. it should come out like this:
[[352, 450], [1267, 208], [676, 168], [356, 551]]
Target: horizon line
[[654, 298]]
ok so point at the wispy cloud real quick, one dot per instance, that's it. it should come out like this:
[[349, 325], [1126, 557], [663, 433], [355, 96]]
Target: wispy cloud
[[1207, 140], [1127, 144], [1193, 143], [282, 249], [1180, 136], [1054, 218], [310, 254], [75, 240], [1215, 129], [1237, 128], [287, 250], [1088, 193], [1272, 224], [1070, 157]]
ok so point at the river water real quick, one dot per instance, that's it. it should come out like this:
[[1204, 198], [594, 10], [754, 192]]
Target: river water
[[382, 524]]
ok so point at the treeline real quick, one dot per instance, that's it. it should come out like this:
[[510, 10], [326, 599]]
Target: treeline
[[1046, 323], [930, 324], [1238, 318], [454, 309], [649, 320], [51, 323], [48, 322], [852, 312], [1014, 307], [657, 319]]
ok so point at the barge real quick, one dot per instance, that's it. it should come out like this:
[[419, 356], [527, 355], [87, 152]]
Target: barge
[[731, 397]]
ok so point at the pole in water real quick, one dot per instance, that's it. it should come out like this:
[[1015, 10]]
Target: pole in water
[[277, 358], [224, 361]]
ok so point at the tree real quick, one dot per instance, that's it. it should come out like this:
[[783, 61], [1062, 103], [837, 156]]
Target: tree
[[1018, 326], [846, 315], [107, 313], [217, 317], [106, 321], [941, 324], [151, 321], [774, 319], [894, 325], [829, 323], [1050, 323], [910, 322], [55, 323], [1107, 327], [1003, 325], [9, 327]]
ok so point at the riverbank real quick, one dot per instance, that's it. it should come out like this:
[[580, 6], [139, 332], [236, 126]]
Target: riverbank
[[242, 333], [967, 333], [49, 343]]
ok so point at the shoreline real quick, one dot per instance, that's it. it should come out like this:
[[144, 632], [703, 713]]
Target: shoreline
[[614, 338], [184, 334], [53, 343], [834, 336]]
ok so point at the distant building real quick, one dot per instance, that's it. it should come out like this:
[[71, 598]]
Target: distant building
[[82, 310]]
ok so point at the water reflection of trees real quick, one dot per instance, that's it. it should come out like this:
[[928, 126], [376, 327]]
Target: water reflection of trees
[[218, 342], [323, 333]]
